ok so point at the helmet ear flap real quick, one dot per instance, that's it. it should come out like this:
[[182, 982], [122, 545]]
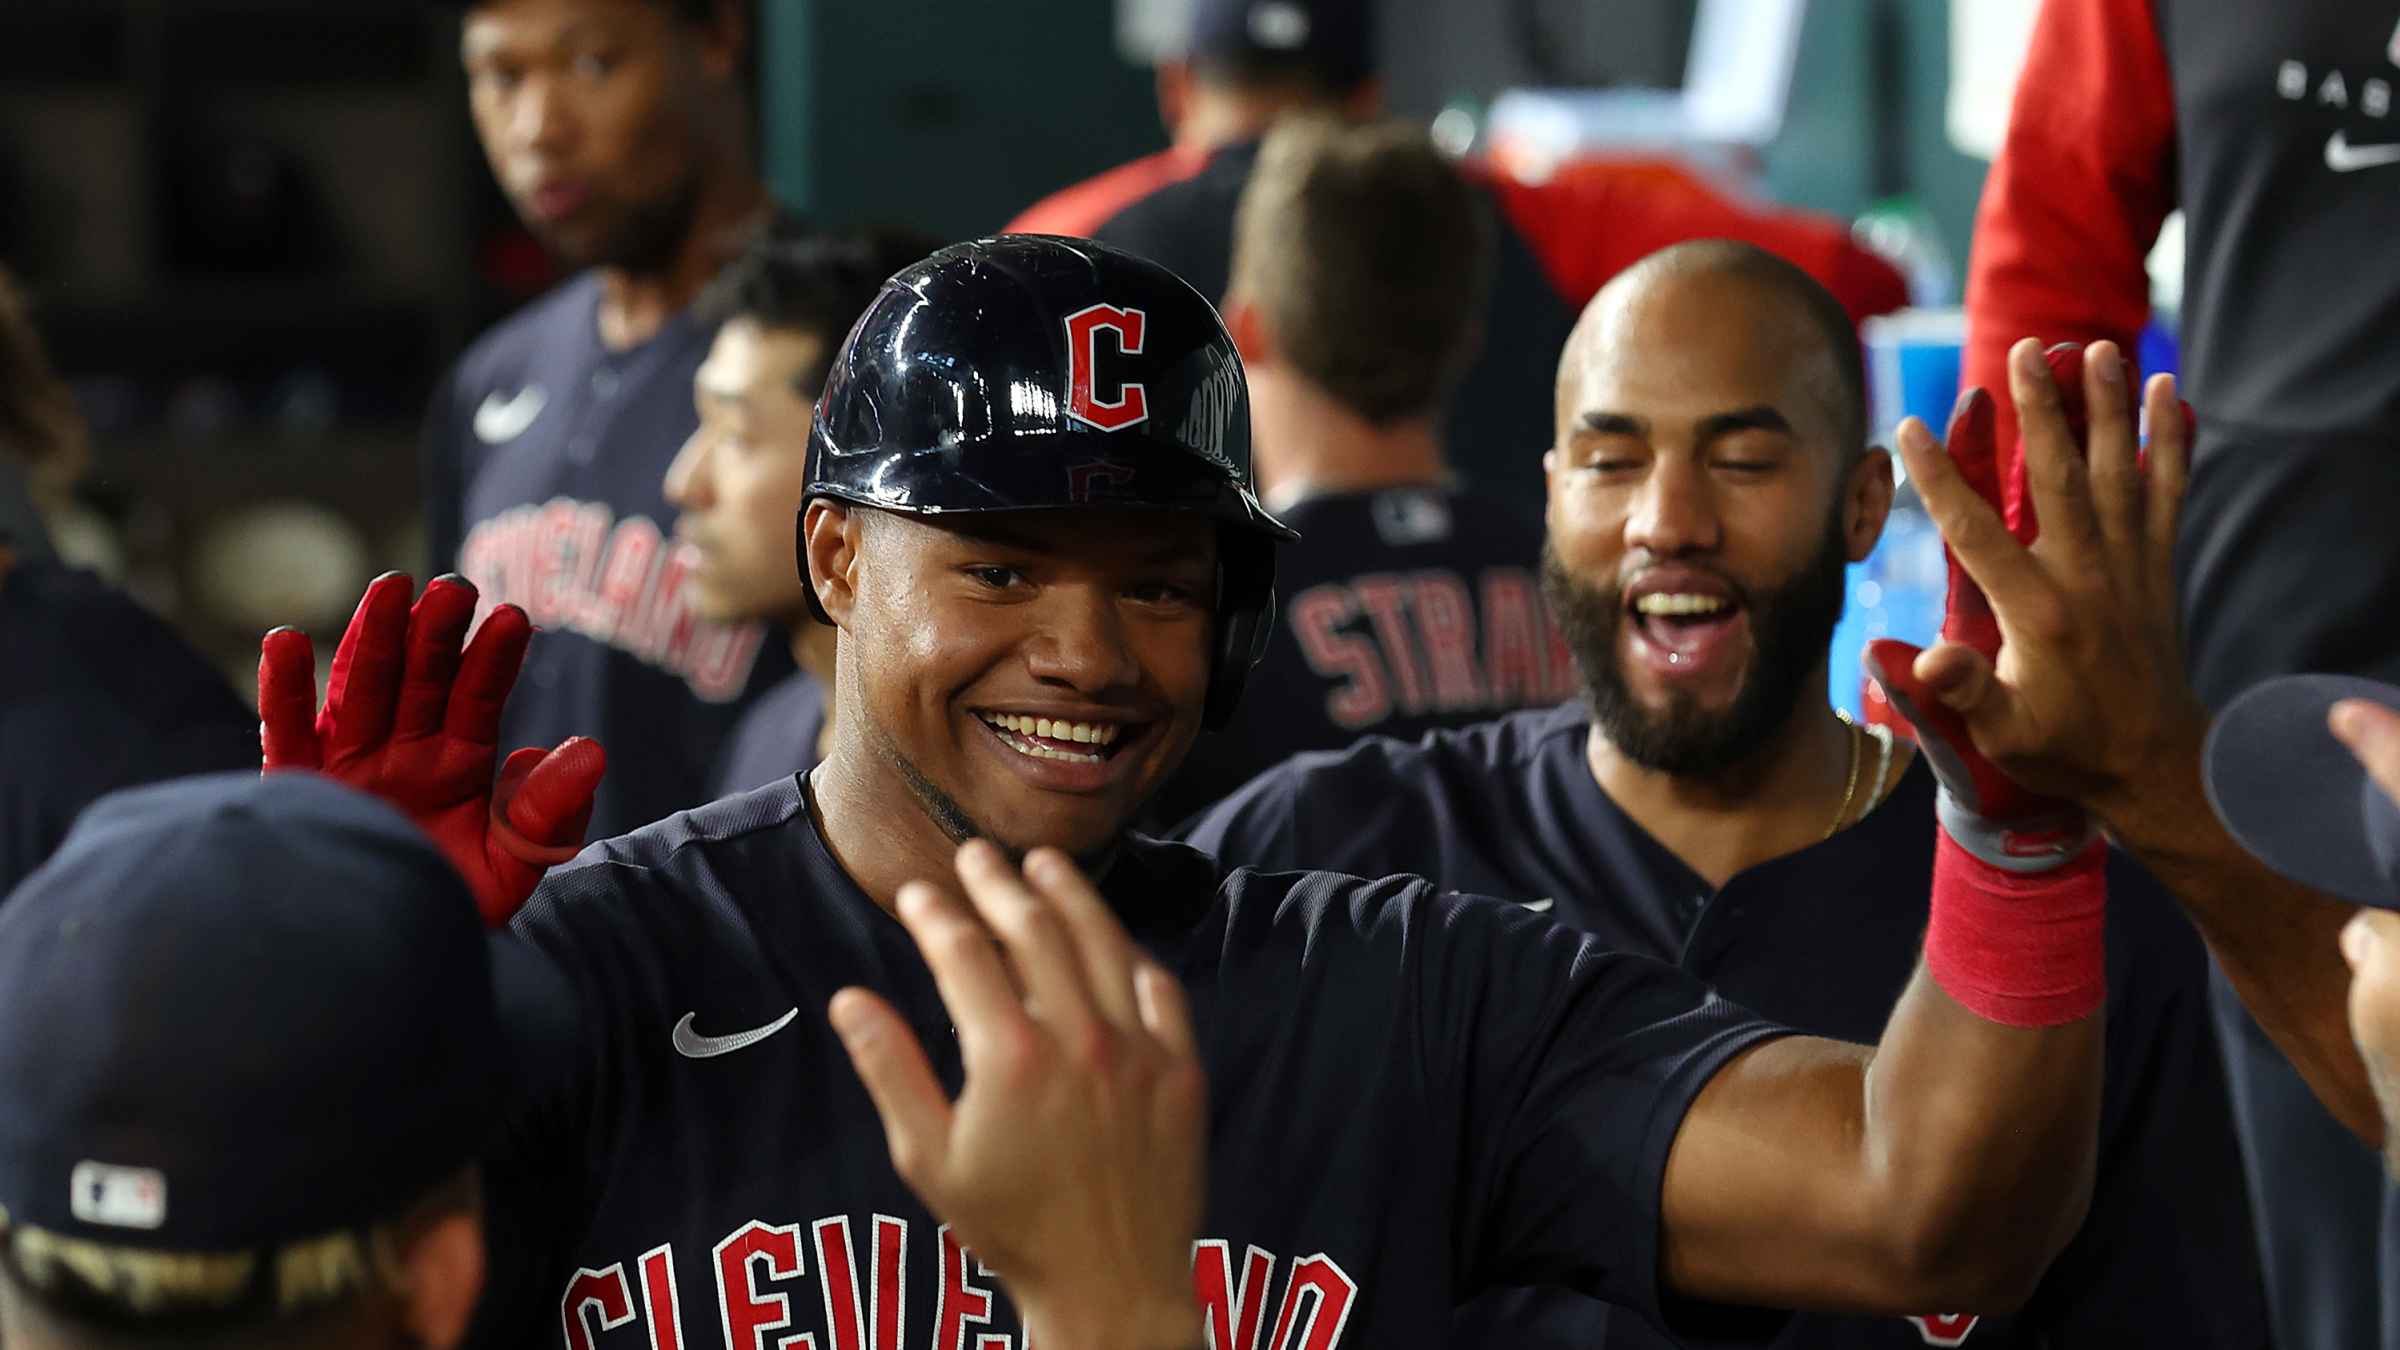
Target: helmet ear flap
[[1245, 620]]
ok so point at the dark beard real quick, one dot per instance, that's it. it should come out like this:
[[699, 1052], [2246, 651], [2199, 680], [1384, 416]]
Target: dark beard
[[1792, 626]]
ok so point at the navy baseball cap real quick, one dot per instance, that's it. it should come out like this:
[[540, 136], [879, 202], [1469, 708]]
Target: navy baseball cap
[[2296, 797], [1332, 41], [241, 1011]]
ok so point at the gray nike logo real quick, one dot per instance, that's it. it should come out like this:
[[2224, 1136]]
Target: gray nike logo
[[500, 419], [2343, 157], [1539, 906], [692, 1045]]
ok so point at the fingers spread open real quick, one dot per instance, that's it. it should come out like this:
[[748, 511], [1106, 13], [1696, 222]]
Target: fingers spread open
[[1971, 440], [1107, 952], [437, 626], [1982, 545], [2054, 463], [2111, 453], [2167, 466], [1036, 938], [365, 680], [899, 1080], [287, 700], [966, 969], [1166, 1011], [486, 672]]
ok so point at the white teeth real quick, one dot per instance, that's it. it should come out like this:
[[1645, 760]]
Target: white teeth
[[1056, 729], [1662, 602]]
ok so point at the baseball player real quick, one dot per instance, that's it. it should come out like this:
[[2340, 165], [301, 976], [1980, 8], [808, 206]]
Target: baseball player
[[1409, 602], [95, 692], [1029, 511], [782, 307], [1702, 805], [2274, 132], [620, 133], [1252, 63], [250, 1046]]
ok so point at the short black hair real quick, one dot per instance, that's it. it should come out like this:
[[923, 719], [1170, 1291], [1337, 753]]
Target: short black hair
[[815, 281]]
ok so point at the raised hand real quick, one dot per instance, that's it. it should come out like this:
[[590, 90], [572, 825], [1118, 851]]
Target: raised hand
[[2060, 664], [1072, 1161], [414, 719]]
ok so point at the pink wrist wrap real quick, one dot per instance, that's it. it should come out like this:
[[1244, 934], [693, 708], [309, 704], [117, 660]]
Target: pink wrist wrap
[[2023, 950]]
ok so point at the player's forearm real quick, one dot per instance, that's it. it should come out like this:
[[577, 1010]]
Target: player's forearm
[[1979, 1140], [2275, 940], [1938, 1172]]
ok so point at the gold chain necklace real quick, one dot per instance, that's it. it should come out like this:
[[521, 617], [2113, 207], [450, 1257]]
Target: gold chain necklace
[[1849, 789], [1883, 771]]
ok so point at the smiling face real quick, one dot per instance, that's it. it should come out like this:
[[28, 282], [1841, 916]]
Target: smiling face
[[1030, 677], [593, 114], [1703, 506]]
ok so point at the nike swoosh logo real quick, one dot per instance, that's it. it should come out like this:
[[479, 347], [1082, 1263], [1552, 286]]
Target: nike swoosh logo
[[1539, 906], [500, 419], [2343, 157], [692, 1045]]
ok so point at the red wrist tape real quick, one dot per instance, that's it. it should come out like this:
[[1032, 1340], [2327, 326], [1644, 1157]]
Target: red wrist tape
[[2023, 951]]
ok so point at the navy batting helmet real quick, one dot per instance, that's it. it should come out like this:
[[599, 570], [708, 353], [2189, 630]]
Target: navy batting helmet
[[1031, 373]]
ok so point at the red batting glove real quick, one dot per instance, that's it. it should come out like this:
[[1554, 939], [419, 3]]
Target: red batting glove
[[415, 720], [1985, 812]]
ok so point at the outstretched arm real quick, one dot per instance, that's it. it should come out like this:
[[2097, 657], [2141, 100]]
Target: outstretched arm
[[2275, 940], [412, 715], [1943, 1170]]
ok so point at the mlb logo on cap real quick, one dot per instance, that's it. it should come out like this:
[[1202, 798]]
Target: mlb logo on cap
[[118, 1197]]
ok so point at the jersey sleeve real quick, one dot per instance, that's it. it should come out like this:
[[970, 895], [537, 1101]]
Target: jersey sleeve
[[2075, 198], [1576, 1067], [1257, 825], [538, 1173], [1594, 220], [441, 475], [1080, 210]]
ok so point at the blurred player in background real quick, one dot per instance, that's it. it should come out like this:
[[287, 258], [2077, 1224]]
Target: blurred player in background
[[783, 308], [250, 1049], [1252, 62], [1409, 602], [95, 692], [1703, 805], [620, 131], [2275, 131]]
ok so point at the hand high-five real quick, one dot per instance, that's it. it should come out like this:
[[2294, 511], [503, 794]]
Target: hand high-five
[[2086, 691], [415, 720], [1072, 1161]]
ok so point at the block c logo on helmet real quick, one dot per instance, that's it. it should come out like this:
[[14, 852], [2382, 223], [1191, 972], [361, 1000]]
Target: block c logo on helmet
[[1131, 404]]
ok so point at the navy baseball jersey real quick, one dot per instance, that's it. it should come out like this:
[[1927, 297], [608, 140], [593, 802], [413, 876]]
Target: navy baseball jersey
[[1411, 1097], [546, 457], [776, 738], [96, 694], [1400, 611], [1823, 940]]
